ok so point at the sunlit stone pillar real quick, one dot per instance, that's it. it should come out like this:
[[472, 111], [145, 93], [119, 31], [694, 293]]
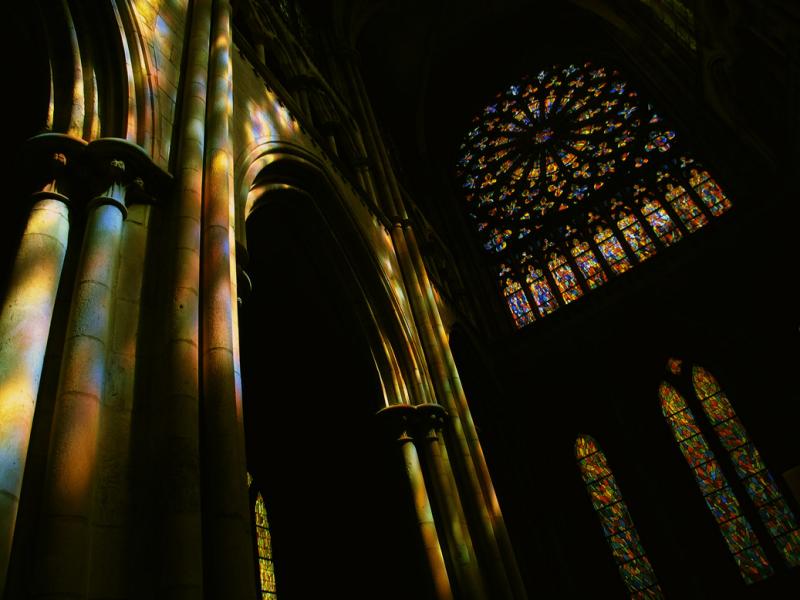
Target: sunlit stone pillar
[[25, 318], [229, 561], [401, 418], [64, 549], [430, 420]]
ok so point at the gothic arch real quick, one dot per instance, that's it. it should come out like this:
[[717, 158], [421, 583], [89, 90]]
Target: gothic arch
[[311, 435], [285, 170]]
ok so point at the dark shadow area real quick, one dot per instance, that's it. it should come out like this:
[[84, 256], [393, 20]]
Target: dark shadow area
[[332, 480]]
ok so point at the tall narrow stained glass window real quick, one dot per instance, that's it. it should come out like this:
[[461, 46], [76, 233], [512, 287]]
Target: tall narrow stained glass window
[[571, 179], [717, 492], [773, 509], [618, 528], [266, 566]]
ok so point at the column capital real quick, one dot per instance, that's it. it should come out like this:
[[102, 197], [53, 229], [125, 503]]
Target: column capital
[[50, 160], [125, 173], [407, 421]]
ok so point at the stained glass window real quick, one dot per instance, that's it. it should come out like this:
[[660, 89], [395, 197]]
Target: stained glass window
[[266, 566], [775, 513], [570, 178], [717, 492], [618, 528]]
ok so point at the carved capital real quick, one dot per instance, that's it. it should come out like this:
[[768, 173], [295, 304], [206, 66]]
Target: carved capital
[[51, 160], [124, 174]]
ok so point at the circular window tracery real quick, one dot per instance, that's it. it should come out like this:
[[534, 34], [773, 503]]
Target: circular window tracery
[[547, 169]]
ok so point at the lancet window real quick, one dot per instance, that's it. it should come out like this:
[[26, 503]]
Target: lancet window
[[618, 528]]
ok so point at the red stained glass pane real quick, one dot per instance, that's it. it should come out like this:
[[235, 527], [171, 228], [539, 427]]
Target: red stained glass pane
[[761, 488], [709, 477], [671, 400], [683, 425], [637, 238], [612, 251], [738, 534], [710, 193], [594, 467], [584, 446], [589, 265], [731, 433], [696, 450], [753, 564], [723, 505], [718, 409], [625, 546], [661, 223], [604, 492], [789, 546], [565, 279], [704, 383], [638, 574], [651, 593], [777, 518], [542, 294], [615, 518], [520, 309], [747, 460], [689, 213]]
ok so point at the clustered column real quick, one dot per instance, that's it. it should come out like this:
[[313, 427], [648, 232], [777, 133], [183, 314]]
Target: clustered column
[[64, 548], [403, 421]]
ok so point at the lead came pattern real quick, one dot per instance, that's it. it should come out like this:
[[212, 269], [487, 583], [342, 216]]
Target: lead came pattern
[[719, 496], [539, 162], [773, 510], [634, 567]]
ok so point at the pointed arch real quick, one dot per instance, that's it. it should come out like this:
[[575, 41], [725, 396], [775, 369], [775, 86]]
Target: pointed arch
[[717, 492], [773, 510], [618, 528]]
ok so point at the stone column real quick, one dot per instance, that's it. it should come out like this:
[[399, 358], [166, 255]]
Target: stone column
[[429, 424], [229, 563], [25, 318], [401, 418], [64, 550]]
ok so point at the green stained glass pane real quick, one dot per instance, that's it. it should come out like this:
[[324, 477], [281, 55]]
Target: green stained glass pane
[[738, 534], [723, 505], [584, 446], [683, 425], [594, 467], [637, 574], [777, 517], [625, 546], [753, 564], [718, 408], [615, 518], [747, 460], [709, 477], [671, 400], [761, 488], [789, 546], [604, 492], [731, 433], [696, 450], [704, 383]]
